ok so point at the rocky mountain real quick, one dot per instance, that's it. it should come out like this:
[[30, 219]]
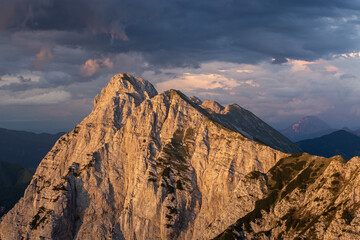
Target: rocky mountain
[[303, 197], [145, 165], [245, 122], [339, 142], [26, 149], [13, 181], [307, 128]]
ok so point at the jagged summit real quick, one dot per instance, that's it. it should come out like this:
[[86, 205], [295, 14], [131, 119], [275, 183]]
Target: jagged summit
[[231, 107], [116, 100], [195, 100], [124, 87], [212, 106], [142, 165], [123, 83]]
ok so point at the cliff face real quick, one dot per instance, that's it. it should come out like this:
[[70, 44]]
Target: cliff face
[[142, 165]]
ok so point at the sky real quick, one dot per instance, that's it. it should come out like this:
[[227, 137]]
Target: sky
[[280, 59]]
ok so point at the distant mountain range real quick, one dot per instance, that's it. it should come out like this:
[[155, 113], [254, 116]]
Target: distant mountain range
[[339, 142], [13, 181], [356, 132], [306, 128], [25, 148]]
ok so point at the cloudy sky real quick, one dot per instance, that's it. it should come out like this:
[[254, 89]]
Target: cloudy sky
[[280, 59]]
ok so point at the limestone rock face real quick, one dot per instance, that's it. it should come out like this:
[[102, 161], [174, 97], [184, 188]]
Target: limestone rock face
[[304, 197], [212, 106], [245, 122], [142, 165], [195, 100]]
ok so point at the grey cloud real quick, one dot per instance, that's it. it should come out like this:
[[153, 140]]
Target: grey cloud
[[347, 76], [279, 60], [24, 79], [184, 33], [156, 36]]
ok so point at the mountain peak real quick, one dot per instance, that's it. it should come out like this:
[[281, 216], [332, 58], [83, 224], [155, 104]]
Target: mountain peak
[[124, 83], [307, 127], [309, 123], [232, 107], [118, 99], [140, 166]]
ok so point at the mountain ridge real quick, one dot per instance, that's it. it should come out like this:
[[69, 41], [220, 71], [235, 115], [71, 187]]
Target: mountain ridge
[[13, 181], [141, 165], [144, 165], [34, 146]]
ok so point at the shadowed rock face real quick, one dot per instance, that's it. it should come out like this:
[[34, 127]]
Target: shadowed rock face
[[197, 100], [142, 165], [245, 122]]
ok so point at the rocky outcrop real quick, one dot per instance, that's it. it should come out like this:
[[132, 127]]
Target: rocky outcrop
[[245, 122], [306, 197], [195, 100], [142, 165], [212, 106]]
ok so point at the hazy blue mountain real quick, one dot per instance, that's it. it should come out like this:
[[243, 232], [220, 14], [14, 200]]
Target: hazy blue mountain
[[25, 148], [339, 142], [306, 128], [13, 181], [356, 132]]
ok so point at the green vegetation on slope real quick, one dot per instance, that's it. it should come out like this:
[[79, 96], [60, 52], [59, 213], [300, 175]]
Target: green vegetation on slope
[[294, 173]]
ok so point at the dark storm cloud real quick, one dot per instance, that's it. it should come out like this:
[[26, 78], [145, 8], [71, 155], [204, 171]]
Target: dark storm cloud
[[185, 33], [64, 51], [279, 60]]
